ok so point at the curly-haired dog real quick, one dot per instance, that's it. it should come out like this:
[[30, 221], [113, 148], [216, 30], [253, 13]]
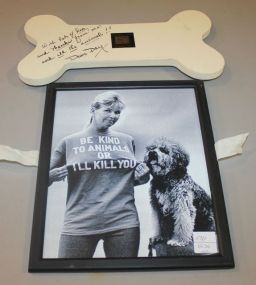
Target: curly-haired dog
[[180, 205]]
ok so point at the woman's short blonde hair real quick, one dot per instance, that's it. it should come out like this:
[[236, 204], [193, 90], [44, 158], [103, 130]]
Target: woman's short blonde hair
[[107, 98]]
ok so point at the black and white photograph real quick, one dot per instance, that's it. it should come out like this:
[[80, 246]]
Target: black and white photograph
[[128, 176]]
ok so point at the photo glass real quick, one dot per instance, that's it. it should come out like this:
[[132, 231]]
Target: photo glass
[[128, 179]]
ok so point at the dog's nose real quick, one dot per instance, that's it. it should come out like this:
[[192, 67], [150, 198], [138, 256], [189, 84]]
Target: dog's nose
[[152, 155]]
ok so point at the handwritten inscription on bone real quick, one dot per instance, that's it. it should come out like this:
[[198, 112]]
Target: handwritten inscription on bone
[[80, 42]]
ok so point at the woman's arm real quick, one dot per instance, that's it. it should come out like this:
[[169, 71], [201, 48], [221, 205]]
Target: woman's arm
[[57, 174], [58, 168], [141, 174]]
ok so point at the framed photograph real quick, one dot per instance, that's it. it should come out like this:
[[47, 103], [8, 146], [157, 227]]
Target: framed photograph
[[128, 180]]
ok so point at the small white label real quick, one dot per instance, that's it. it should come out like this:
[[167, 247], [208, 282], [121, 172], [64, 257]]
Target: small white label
[[205, 242]]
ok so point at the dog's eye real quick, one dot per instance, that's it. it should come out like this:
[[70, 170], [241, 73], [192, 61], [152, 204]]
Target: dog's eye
[[149, 148], [164, 150]]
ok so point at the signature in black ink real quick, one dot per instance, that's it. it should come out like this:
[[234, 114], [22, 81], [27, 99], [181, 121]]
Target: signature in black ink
[[45, 45], [97, 49], [79, 33], [62, 38], [90, 39], [76, 56], [72, 48], [61, 53], [42, 54], [101, 49], [61, 46], [77, 43], [108, 29], [48, 59], [95, 28], [81, 30], [52, 43]]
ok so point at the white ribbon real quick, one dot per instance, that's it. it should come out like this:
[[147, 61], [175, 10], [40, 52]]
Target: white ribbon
[[230, 146], [27, 158], [224, 148]]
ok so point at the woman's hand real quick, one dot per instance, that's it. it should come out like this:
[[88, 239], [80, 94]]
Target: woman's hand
[[58, 174], [141, 174]]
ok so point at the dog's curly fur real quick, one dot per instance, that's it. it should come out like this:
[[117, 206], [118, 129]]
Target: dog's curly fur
[[180, 205]]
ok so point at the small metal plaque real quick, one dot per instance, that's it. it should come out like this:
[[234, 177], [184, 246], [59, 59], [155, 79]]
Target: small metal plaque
[[122, 40]]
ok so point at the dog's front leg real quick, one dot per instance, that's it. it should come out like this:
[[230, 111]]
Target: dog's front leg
[[184, 220], [156, 228], [157, 241]]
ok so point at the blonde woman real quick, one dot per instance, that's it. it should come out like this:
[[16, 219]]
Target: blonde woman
[[101, 171]]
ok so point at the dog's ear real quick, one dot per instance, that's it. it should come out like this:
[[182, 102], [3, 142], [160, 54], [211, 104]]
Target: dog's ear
[[182, 157]]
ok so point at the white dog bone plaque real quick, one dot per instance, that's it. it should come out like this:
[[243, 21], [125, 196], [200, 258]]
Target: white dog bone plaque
[[177, 42]]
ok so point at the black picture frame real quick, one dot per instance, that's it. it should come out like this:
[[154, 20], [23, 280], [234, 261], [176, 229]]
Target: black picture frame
[[223, 258]]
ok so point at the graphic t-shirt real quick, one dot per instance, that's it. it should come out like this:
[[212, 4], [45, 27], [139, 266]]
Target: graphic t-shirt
[[100, 194]]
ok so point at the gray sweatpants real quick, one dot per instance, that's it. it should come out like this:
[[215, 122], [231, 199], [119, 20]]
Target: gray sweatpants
[[120, 243]]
